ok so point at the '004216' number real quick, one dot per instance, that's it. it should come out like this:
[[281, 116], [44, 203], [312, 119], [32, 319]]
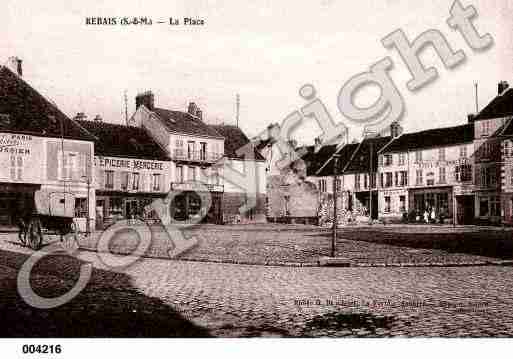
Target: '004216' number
[[41, 349]]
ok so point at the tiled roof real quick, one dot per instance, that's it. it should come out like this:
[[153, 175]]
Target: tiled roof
[[436, 137], [322, 160], [25, 110], [123, 141], [360, 161], [183, 122], [500, 106], [234, 139]]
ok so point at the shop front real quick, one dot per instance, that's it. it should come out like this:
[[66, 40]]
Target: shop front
[[197, 202], [436, 199]]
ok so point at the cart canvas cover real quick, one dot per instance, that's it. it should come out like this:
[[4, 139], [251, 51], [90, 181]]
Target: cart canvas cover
[[57, 204]]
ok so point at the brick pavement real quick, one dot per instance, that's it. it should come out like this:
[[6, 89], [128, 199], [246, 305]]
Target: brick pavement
[[241, 300]]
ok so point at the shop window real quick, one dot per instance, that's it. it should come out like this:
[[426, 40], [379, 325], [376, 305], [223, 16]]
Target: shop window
[[483, 207], [156, 182], [135, 181], [109, 179], [16, 167], [402, 203], [115, 207], [387, 204], [80, 207], [495, 206]]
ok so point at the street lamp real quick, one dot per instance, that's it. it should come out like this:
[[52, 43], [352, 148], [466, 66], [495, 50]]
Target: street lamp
[[88, 219], [335, 207]]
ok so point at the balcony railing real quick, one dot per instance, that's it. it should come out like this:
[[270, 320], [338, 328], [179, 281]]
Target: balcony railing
[[195, 156], [196, 186]]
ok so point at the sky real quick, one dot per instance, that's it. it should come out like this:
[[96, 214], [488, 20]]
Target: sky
[[264, 50]]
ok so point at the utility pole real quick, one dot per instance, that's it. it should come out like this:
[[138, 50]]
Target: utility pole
[[477, 99], [237, 102], [335, 207], [371, 172], [126, 109]]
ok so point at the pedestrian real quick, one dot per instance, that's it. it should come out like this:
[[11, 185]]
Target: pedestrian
[[426, 216], [433, 215]]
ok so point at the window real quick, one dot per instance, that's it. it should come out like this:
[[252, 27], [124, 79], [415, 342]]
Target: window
[[381, 182], [16, 167], [463, 151], [380, 161], [403, 178], [135, 181], [495, 206], [485, 128], [357, 181], [179, 174], [124, 180], [402, 157], [483, 206], [388, 159], [69, 165], [441, 154], [418, 178], [388, 179], [203, 151], [463, 173], [109, 179], [402, 203], [190, 173], [366, 181], [179, 148], [80, 207], [396, 182], [441, 175], [322, 185], [155, 183], [387, 204], [418, 156], [190, 150], [339, 184], [486, 150]]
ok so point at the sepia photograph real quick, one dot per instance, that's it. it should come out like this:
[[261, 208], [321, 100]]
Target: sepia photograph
[[327, 169]]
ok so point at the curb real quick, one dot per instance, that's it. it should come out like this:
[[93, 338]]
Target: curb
[[333, 263]]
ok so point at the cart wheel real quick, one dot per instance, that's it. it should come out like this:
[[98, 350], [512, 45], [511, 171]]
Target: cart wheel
[[70, 240], [22, 233], [34, 234]]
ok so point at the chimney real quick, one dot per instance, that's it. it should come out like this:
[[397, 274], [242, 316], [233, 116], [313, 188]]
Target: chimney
[[98, 118], [80, 116], [145, 98], [14, 63], [502, 87], [317, 143], [395, 129], [192, 109], [471, 117]]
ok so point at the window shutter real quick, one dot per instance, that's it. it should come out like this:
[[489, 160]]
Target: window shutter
[[116, 180]]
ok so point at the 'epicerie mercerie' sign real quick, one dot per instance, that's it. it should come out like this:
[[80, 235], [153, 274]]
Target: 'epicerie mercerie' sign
[[133, 164]]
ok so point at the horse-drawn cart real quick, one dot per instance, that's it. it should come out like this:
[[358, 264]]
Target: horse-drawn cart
[[48, 213]]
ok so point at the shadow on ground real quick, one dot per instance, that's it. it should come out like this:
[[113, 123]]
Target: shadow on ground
[[351, 323], [488, 243], [108, 307]]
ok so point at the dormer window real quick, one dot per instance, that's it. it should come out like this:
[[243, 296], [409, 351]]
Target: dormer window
[[5, 120]]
